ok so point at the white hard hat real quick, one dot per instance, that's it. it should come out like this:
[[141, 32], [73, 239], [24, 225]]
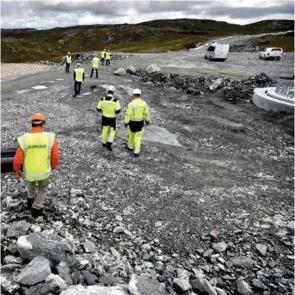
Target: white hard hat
[[94, 54], [78, 65], [112, 88], [69, 52], [136, 91]]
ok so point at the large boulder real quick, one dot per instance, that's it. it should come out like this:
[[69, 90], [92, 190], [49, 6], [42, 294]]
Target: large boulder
[[35, 272], [94, 290], [48, 245], [131, 70], [120, 72], [17, 229], [153, 68]]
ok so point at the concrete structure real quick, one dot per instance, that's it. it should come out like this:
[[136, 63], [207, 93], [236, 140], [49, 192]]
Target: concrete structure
[[275, 99]]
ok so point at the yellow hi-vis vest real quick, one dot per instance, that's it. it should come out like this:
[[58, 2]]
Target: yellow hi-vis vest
[[79, 74], [68, 59], [102, 54], [108, 55], [137, 110], [95, 63], [37, 152], [109, 107]]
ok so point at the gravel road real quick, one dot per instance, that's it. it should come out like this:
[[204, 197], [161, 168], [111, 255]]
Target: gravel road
[[215, 179]]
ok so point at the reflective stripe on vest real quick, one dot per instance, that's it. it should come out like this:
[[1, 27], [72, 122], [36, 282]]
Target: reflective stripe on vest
[[68, 59], [109, 108], [108, 55], [37, 152], [102, 54], [138, 111], [95, 63], [79, 74]]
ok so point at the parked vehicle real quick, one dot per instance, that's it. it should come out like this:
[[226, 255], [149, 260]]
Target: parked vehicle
[[274, 53], [217, 51]]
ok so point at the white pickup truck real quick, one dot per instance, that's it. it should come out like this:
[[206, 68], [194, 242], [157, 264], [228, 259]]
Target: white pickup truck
[[271, 53]]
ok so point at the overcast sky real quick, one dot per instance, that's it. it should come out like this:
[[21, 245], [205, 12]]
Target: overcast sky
[[50, 14]]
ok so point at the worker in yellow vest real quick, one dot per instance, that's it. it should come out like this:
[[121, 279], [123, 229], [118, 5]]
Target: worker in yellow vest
[[136, 115], [68, 62], [110, 107], [38, 154], [108, 58], [102, 56], [79, 77], [95, 64]]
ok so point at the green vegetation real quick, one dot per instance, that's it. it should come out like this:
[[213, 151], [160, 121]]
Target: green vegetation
[[154, 36]]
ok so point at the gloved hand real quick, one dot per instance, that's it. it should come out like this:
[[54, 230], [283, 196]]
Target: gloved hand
[[19, 174], [147, 123], [126, 125]]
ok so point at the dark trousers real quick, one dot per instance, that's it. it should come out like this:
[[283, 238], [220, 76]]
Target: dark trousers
[[77, 87], [102, 61], [108, 62], [96, 71], [67, 67]]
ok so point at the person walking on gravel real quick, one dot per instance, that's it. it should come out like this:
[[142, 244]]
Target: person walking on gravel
[[68, 62], [136, 115], [95, 64], [102, 56], [108, 58], [110, 107], [79, 77], [38, 153]]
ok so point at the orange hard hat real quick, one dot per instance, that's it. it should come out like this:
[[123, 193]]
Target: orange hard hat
[[38, 117]]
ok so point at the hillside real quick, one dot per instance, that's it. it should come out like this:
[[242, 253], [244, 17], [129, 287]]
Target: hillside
[[27, 45]]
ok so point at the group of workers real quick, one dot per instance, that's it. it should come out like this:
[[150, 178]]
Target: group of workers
[[38, 152]]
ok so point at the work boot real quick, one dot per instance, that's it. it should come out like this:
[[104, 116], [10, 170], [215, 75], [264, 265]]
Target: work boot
[[30, 202], [128, 148], [104, 145], [74, 95], [136, 155], [109, 146], [37, 212]]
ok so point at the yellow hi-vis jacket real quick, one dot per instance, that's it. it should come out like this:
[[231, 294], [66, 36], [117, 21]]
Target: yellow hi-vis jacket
[[79, 74], [68, 59], [37, 151], [138, 110], [108, 55], [95, 63], [109, 106], [102, 54]]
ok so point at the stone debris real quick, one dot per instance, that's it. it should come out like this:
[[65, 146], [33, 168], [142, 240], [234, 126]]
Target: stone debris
[[55, 283], [262, 249], [219, 247], [120, 72], [17, 229], [243, 287]]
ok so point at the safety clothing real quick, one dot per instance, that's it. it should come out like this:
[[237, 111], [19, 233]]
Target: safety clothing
[[136, 91], [137, 113], [37, 152], [38, 117], [109, 106], [103, 53], [68, 58], [108, 55], [112, 88], [79, 75], [95, 62]]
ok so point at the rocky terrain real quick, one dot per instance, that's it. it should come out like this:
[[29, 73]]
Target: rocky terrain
[[207, 208]]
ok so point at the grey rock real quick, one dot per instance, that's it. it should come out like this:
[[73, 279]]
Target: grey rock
[[11, 267], [219, 247], [55, 283], [190, 90], [290, 226], [131, 70], [115, 253], [35, 272], [214, 235], [208, 252], [94, 290], [202, 286], [51, 246], [258, 284], [89, 278], [12, 248], [216, 84], [243, 287], [181, 285], [11, 259], [64, 272], [119, 230], [17, 229], [39, 289], [262, 249], [120, 72], [7, 286], [220, 291], [153, 68], [89, 247], [108, 280], [242, 261]]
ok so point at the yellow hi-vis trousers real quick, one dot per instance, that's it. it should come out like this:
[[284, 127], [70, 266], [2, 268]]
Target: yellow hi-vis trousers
[[134, 140], [106, 136]]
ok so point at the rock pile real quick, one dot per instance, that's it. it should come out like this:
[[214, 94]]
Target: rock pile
[[244, 47]]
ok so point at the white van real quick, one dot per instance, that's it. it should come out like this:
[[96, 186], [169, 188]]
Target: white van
[[271, 53], [217, 51]]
